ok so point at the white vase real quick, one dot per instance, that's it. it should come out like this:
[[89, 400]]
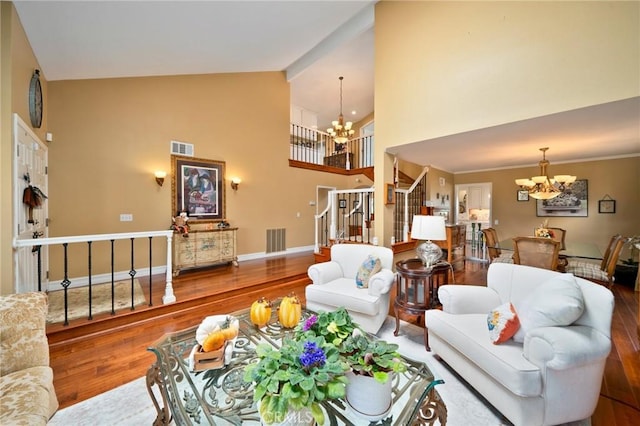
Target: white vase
[[302, 417], [367, 397]]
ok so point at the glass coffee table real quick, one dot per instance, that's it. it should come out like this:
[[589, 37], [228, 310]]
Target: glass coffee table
[[221, 397]]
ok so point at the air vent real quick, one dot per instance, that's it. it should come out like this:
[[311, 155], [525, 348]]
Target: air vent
[[276, 240], [181, 148]]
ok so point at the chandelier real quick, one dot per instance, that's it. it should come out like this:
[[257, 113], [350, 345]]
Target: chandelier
[[341, 131], [543, 188]]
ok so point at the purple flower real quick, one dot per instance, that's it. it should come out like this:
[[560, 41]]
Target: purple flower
[[313, 356], [310, 322]]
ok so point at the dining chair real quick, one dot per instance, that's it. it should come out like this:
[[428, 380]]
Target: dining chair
[[604, 273], [495, 254], [536, 252], [592, 263], [559, 234]]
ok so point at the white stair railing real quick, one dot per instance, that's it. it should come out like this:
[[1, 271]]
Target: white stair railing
[[35, 244]]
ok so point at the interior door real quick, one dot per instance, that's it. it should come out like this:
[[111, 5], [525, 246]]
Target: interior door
[[30, 168]]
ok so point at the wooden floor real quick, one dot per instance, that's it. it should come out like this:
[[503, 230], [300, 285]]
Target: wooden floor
[[91, 357]]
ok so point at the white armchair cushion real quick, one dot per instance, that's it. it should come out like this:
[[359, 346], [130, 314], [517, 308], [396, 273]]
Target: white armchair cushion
[[467, 299], [561, 348], [467, 334], [557, 302], [381, 282], [343, 292], [322, 273]]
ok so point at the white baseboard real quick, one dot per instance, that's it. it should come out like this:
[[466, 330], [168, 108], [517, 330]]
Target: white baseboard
[[162, 269]]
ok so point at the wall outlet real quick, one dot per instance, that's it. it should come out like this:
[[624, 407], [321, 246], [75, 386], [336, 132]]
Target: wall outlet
[[496, 222], [126, 217]]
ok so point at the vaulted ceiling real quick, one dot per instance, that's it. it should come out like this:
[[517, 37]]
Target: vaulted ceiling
[[314, 42]]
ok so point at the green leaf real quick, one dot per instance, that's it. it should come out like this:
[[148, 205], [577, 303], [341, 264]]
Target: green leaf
[[307, 384], [380, 376], [335, 390], [317, 413]]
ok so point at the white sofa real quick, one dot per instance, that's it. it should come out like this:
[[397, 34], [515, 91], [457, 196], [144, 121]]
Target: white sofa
[[555, 376], [334, 285]]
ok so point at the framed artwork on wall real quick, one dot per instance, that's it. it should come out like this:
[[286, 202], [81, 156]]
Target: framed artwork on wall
[[523, 195], [607, 205], [572, 202], [198, 188]]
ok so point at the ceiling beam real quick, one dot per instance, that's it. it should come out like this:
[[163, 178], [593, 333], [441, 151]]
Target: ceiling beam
[[355, 26]]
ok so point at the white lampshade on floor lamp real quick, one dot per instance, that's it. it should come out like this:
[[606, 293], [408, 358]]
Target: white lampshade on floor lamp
[[428, 228]]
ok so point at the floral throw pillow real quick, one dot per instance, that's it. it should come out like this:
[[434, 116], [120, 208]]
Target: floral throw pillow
[[370, 266], [503, 323]]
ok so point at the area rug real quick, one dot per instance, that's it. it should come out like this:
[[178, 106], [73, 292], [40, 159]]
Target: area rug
[[78, 300], [130, 403]]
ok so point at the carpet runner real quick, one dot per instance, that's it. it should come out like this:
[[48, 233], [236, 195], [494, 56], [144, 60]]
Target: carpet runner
[[78, 300]]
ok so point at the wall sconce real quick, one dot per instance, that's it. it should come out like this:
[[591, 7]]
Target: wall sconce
[[235, 182], [160, 175]]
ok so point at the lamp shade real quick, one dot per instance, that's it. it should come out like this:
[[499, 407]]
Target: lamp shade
[[428, 228]]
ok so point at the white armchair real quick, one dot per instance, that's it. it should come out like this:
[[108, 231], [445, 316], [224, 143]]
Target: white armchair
[[334, 284]]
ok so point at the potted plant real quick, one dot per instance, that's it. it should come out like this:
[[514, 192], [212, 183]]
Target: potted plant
[[334, 326], [373, 363], [292, 381]]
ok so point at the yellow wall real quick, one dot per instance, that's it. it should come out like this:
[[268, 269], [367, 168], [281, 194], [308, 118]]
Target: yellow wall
[[110, 135], [18, 63], [443, 68], [447, 67], [620, 179]]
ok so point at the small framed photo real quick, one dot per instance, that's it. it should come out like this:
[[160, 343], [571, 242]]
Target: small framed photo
[[390, 194], [606, 206], [523, 195], [342, 203]]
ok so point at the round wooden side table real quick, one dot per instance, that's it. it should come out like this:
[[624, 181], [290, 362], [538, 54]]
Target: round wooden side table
[[417, 289]]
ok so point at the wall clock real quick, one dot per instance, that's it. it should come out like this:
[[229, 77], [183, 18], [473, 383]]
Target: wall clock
[[35, 100]]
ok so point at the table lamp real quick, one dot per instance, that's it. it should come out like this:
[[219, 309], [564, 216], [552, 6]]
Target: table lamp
[[428, 228]]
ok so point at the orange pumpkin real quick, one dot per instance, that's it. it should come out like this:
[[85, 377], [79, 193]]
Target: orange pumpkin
[[213, 341], [290, 311], [261, 311]]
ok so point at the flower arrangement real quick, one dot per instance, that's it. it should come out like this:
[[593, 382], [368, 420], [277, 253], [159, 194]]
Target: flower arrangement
[[300, 375], [334, 326], [375, 358], [544, 233]]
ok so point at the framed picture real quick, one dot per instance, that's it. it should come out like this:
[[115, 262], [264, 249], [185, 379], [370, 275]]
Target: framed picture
[[390, 194], [606, 206], [342, 203], [572, 202], [523, 195], [198, 188]]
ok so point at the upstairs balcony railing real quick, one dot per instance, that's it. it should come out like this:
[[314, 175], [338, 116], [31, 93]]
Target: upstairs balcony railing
[[316, 147]]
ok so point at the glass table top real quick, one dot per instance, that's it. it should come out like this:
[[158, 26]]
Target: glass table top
[[221, 397]]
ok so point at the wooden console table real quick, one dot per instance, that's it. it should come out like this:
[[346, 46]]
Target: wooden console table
[[204, 248], [417, 289]]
